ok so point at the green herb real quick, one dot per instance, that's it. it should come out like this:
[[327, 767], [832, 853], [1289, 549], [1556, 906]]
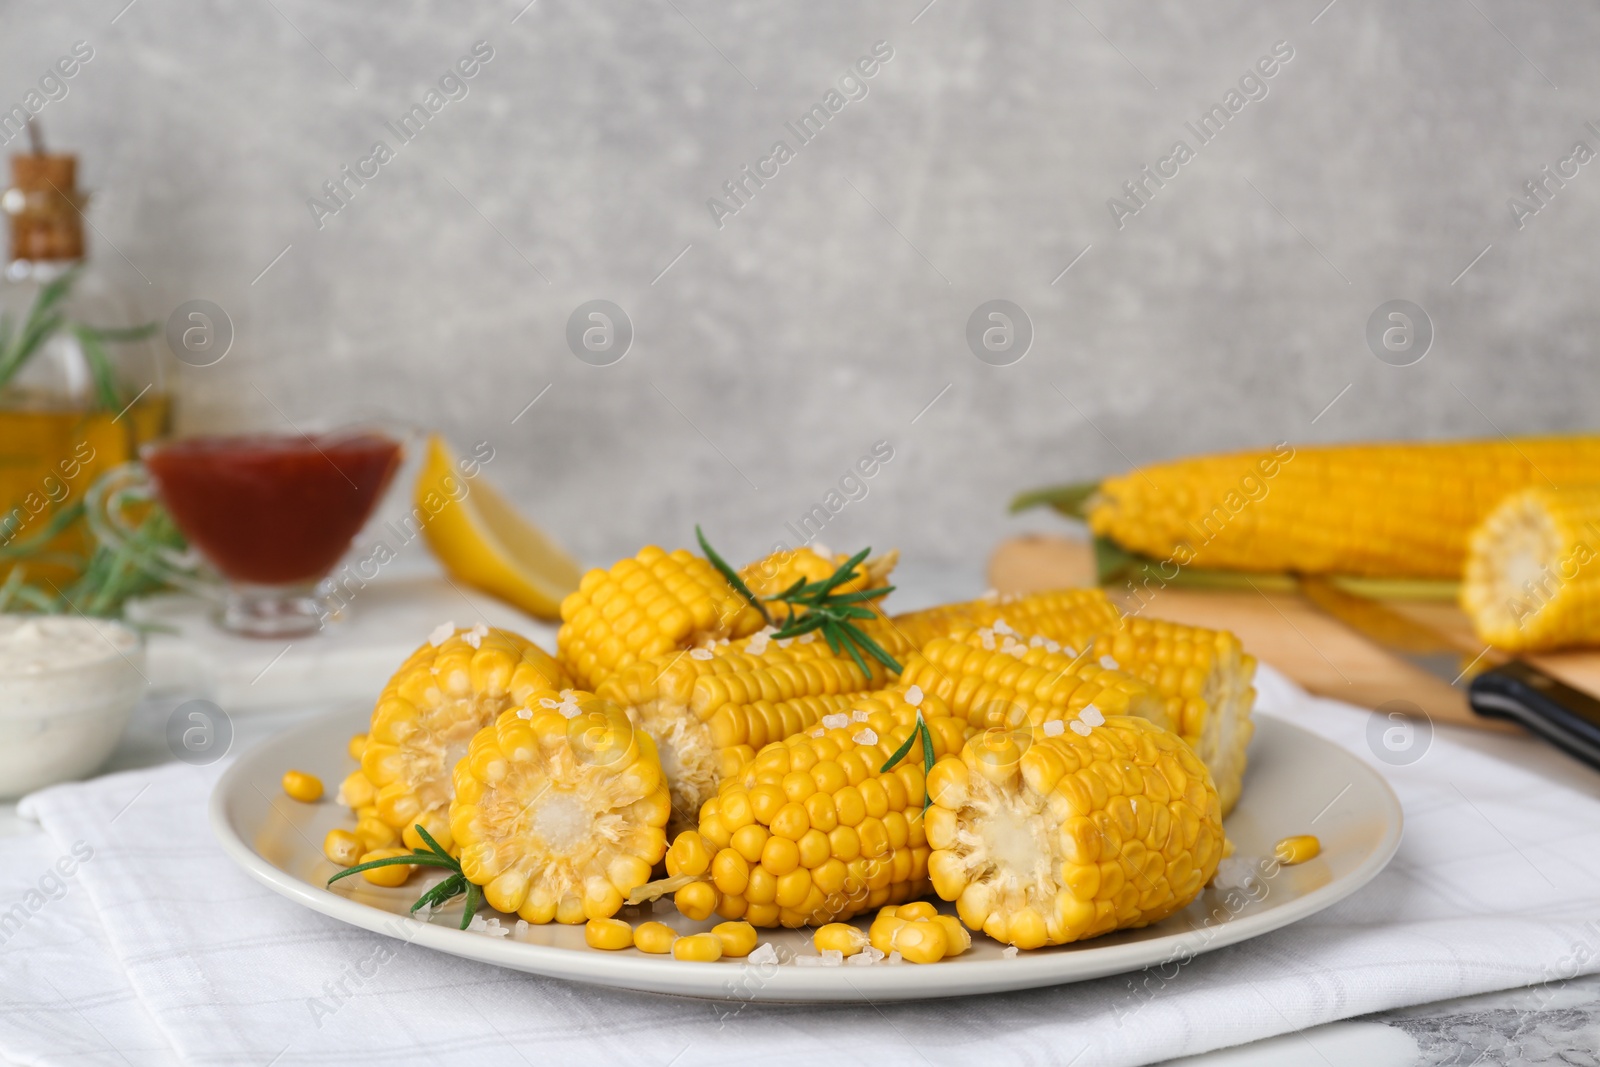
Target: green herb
[[46, 319], [108, 578], [920, 730], [828, 612], [432, 856]]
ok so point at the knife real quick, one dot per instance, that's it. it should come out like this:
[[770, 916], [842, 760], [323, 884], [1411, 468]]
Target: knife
[[1497, 686]]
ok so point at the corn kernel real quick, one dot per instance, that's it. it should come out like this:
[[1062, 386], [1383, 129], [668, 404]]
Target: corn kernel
[[358, 745], [390, 876], [608, 934], [306, 788], [840, 937], [1292, 850], [653, 937], [738, 938], [342, 847], [699, 948]]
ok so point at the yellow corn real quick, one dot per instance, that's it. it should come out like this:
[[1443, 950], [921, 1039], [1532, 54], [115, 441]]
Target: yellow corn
[[1533, 571], [558, 817], [777, 572], [357, 791], [918, 932], [342, 847], [306, 788], [813, 830], [1298, 849], [738, 939], [358, 744], [842, 938], [647, 605], [1075, 616], [708, 714], [1042, 837], [612, 935], [700, 948], [1206, 678], [655, 938], [1376, 510], [392, 875]]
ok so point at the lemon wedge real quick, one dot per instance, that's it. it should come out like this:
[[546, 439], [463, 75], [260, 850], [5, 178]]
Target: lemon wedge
[[482, 541]]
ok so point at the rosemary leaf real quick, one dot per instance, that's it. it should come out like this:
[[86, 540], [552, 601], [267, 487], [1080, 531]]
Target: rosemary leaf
[[473, 897], [728, 573]]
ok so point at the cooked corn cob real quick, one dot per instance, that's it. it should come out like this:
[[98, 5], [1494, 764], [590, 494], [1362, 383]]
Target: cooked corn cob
[[647, 605], [560, 811], [427, 713], [776, 573], [709, 713], [1075, 615], [1400, 510], [1206, 678], [814, 830], [1043, 838], [991, 679], [1531, 581]]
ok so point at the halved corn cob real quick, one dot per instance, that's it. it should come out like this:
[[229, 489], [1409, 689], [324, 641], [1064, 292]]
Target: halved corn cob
[[1042, 837], [777, 572], [440, 697], [560, 811], [814, 830], [709, 713], [1531, 580], [1402, 510], [1075, 615], [991, 678], [647, 605], [1206, 678]]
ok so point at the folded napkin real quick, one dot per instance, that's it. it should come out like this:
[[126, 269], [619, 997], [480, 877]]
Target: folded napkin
[[1493, 887]]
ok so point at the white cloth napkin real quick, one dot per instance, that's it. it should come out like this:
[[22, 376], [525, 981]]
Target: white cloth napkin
[[1493, 887]]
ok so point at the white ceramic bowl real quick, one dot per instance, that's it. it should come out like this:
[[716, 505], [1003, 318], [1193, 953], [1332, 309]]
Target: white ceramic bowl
[[61, 721]]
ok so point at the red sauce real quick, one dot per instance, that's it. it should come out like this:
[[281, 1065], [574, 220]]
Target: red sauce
[[271, 509]]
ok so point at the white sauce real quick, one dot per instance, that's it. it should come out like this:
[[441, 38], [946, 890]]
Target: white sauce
[[34, 644]]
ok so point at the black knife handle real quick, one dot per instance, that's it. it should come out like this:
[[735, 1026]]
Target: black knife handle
[[1566, 717]]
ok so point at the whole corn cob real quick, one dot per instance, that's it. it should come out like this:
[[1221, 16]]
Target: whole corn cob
[[1531, 579], [560, 810], [647, 605], [1076, 616], [814, 830], [443, 694], [709, 710], [1043, 838], [1401, 510]]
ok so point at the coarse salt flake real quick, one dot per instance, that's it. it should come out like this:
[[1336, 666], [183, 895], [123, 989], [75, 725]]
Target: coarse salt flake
[[865, 958], [765, 953], [807, 638], [487, 927], [1055, 728], [914, 696], [473, 638], [1108, 663], [866, 737], [521, 928], [785, 642], [895, 957], [1091, 715], [526, 713], [700, 653], [1057, 646], [442, 633], [549, 702], [1079, 728], [1003, 627], [1009, 952], [836, 721], [859, 716], [1036, 641], [569, 709]]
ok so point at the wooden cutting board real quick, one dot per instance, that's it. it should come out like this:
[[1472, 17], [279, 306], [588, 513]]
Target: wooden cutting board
[[1285, 630]]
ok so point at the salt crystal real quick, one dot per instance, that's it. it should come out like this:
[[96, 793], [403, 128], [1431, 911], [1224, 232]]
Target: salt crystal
[[821, 549], [1009, 952], [472, 638], [895, 957], [987, 637], [808, 961], [524, 713], [807, 638], [832, 957], [700, 653], [914, 696], [1079, 728], [1002, 627], [521, 928], [867, 955], [1091, 715], [859, 716], [1057, 646], [1036, 641], [480, 630], [785, 642], [763, 954], [568, 709], [487, 927], [836, 721], [990, 594], [442, 633], [1108, 663], [547, 702], [866, 737], [1055, 728]]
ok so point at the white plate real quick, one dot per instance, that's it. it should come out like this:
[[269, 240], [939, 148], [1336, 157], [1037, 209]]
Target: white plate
[[1297, 783]]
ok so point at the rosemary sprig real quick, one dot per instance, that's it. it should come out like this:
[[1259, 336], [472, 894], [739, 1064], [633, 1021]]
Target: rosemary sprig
[[432, 856], [920, 730], [829, 612]]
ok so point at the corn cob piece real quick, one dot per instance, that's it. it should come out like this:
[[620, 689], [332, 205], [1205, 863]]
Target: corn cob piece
[[1531, 583], [560, 811], [1045, 838], [776, 573], [814, 830], [709, 713], [1400, 510], [440, 697], [1076, 616], [993, 679], [1206, 678], [647, 605]]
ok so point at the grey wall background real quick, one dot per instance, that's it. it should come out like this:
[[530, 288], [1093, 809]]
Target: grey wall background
[[830, 311]]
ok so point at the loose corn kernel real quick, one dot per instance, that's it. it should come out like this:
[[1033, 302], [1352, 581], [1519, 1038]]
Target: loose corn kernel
[[699, 948], [957, 937], [342, 847], [1293, 850], [358, 745], [697, 900], [738, 939], [654, 937], [920, 940], [391, 876], [375, 833], [306, 788], [840, 937], [608, 934]]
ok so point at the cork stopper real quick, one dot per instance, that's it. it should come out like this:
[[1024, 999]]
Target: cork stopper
[[44, 205]]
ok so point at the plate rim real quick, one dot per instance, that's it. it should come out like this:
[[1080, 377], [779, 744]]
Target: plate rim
[[669, 976]]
